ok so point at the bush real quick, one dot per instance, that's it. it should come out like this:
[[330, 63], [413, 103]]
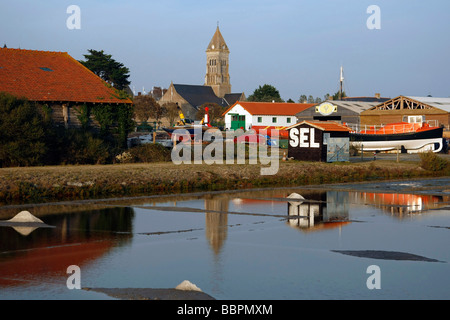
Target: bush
[[432, 162], [83, 147], [22, 133], [149, 152]]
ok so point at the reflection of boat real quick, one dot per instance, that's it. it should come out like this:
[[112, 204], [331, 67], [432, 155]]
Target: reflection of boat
[[400, 203], [410, 137]]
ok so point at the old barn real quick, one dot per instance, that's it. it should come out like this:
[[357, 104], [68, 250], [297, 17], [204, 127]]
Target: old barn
[[55, 80]]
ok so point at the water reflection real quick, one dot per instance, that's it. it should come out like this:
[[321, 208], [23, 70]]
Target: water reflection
[[319, 211], [399, 204], [216, 222], [86, 236], [77, 238]]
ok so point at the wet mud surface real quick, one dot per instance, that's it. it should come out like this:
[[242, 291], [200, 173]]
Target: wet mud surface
[[151, 294], [385, 255]]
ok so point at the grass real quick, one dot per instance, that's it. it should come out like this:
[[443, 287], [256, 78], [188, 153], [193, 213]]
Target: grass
[[52, 183]]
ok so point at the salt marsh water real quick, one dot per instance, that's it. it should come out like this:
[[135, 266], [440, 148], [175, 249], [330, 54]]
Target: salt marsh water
[[279, 244]]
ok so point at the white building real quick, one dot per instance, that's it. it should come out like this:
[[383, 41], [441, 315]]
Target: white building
[[262, 115]]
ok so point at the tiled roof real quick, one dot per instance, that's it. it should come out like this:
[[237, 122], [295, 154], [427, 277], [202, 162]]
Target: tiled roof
[[232, 98], [323, 125], [272, 108], [51, 76], [197, 95]]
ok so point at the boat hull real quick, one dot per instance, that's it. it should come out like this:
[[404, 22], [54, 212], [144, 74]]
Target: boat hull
[[411, 142]]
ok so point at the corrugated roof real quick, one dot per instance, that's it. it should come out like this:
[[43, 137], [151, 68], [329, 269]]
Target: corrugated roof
[[323, 125], [440, 103], [272, 108], [355, 106], [51, 76]]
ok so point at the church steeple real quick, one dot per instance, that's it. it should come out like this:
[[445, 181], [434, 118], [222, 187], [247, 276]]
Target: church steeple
[[217, 59]]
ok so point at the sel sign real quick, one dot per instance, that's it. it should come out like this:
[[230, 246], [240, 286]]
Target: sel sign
[[303, 138]]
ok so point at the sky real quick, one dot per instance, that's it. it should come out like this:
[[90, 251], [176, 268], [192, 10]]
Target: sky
[[297, 46]]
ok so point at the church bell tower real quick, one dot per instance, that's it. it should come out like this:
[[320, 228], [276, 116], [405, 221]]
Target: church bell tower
[[217, 75]]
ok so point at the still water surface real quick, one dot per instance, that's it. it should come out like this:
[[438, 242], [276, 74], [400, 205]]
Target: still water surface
[[265, 244]]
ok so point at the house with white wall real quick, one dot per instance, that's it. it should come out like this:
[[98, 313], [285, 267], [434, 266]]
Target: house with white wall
[[262, 115]]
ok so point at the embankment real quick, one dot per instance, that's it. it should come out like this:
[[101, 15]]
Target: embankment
[[54, 183]]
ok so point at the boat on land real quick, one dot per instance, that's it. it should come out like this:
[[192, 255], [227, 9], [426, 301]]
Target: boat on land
[[187, 129], [402, 136]]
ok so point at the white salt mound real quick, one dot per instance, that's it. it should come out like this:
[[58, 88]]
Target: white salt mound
[[25, 216], [187, 286]]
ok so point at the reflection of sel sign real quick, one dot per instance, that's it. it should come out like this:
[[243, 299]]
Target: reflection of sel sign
[[326, 109]]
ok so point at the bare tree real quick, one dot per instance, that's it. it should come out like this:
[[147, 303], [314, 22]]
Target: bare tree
[[143, 105], [173, 112], [215, 112]]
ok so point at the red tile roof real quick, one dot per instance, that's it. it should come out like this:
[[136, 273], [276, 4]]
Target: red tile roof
[[323, 125], [272, 108], [51, 76]]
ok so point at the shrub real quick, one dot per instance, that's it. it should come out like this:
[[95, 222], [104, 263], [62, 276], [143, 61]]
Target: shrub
[[149, 152], [432, 162], [22, 132], [83, 147]]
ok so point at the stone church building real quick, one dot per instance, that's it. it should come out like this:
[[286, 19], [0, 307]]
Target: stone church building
[[217, 87]]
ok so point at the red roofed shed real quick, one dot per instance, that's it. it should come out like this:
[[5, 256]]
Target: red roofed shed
[[55, 79]]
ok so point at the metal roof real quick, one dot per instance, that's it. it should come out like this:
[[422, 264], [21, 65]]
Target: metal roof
[[355, 106], [440, 103]]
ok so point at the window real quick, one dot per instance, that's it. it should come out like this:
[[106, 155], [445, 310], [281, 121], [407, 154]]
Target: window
[[415, 119], [45, 69], [288, 120], [259, 119], [274, 120]]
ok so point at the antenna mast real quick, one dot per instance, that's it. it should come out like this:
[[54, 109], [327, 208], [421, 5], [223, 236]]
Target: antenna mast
[[341, 80]]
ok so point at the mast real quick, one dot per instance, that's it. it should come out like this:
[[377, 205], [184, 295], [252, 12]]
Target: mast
[[341, 80]]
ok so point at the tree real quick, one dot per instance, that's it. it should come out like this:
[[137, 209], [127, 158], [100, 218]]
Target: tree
[[303, 98], [266, 93], [173, 112], [104, 66], [215, 112], [337, 96], [23, 132], [157, 111], [143, 107]]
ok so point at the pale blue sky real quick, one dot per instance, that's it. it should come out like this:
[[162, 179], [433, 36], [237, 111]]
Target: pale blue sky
[[296, 46]]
